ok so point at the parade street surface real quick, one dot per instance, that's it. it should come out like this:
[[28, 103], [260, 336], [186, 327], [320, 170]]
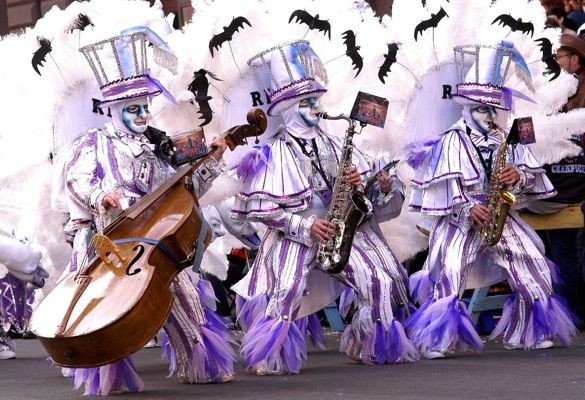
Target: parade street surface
[[497, 374]]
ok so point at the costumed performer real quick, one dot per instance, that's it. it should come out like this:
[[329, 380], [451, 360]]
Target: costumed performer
[[288, 187], [111, 168], [451, 183]]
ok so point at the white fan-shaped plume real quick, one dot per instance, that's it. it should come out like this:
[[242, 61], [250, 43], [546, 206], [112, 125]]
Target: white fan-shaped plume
[[45, 113], [419, 108]]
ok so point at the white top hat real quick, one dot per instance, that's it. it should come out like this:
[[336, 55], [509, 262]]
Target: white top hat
[[484, 82], [289, 72], [120, 64]]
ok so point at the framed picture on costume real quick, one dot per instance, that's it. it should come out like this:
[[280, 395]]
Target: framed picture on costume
[[522, 131], [189, 146], [370, 109]]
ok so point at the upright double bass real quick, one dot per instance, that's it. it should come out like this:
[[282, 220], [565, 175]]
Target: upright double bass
[[116, 303]]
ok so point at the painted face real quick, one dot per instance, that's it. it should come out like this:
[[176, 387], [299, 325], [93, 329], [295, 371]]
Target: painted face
[[135, 115], [482, 116], [308, 109]]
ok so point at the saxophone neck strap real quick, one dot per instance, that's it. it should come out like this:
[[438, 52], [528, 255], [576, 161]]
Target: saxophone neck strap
[[317, 165], [487, 165]]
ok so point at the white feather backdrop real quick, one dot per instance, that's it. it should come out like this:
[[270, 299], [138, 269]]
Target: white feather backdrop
[[414, 85], [44, 113]]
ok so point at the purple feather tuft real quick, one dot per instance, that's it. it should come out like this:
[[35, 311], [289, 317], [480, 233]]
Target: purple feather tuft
[[418, 151], [346, 300], [253, 161], [277, 345], [251, 310]]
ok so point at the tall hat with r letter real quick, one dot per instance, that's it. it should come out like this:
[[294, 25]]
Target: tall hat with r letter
[[490, 67], [120, 64], [289, 73]]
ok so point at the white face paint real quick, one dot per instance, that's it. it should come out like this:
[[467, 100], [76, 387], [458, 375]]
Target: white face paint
[[135, 115], [482, 116], [308, 109]]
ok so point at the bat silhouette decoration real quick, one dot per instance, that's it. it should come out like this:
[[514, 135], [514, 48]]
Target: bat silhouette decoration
[[514, 24], [552, 67], [81, 22], [352, 51], [228, 32], [39, 55], [389, 60], [424, 3], [199, 86], [429, 23], [303, 17]]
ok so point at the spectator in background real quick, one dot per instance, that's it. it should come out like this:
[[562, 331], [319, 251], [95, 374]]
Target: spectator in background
[[576, 13], [557, 18], [568, 177], [550, 4]]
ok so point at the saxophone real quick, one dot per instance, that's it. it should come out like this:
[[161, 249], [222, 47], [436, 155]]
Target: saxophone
[[498, 199], [347, 210]]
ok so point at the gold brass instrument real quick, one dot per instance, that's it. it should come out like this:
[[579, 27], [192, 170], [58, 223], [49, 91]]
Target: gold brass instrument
[[498, 199], [347, 210]]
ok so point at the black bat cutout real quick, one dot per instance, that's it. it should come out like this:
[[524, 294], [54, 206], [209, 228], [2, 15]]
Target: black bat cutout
[[552, 67], [389, 60], [228, 32], [352, 51], [199, 86], [424, 2], [514, 24], [430, 23], [39, 55], [81, 22], [303, 17]]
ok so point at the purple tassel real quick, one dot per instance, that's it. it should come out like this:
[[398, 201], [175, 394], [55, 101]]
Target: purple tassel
[[101, 381], [561, 320], [440, 324], [251, 310], [206, 294], [253, 161], [168, 352], [466, 329], [548, 320], [278, 343], [345, 301], [418, 151], [554, 272], [378, 345], [315, 331], [212, 359], [421, 286], [540, 324], [401, 348]]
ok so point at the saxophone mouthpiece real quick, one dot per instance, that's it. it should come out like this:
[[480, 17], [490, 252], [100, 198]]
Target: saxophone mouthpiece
[[323, 115]]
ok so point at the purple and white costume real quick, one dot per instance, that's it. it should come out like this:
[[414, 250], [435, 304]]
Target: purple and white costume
[[107, 160], [283, 190], [449, 180], [16, 298]]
